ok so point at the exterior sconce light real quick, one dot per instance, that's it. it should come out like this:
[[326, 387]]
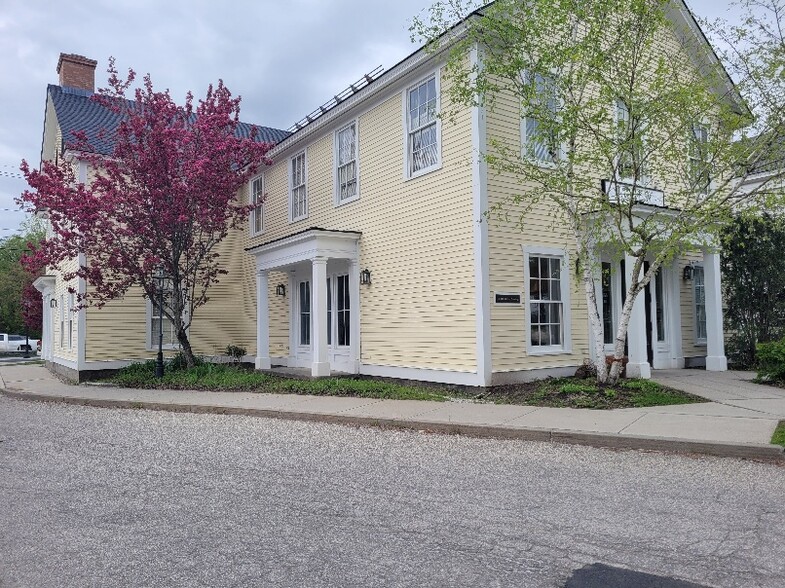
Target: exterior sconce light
[[53, 303], [280, 290], [687, 274], [365, 277]]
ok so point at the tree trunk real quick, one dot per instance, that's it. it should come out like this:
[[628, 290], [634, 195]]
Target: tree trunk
[[596, 323], [185, 348]]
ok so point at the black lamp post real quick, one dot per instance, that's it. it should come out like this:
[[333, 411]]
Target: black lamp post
[[159, 362]]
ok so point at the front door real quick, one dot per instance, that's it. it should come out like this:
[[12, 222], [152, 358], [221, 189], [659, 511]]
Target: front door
[[338, 315]]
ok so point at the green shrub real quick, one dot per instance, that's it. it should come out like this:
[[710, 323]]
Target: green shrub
[[177, 362], [236, 352], [771, 361]]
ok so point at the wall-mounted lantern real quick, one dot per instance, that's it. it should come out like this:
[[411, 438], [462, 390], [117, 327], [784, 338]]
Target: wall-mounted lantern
[[280, 290], [365, 277], [687, 273], [53, 303]]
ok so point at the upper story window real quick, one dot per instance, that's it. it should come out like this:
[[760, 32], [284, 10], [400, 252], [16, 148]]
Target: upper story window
[[538, 138], [257, 200], [298, 195], [699, 165], [422, 107], [346, 184], [629, 133]]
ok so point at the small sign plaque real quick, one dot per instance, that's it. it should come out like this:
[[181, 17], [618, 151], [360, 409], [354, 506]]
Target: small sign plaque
[[507, 298]]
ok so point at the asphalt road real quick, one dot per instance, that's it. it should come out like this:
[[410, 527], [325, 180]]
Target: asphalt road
[[98, 497]]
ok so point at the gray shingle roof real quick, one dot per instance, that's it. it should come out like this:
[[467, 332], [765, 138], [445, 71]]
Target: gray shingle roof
[[77, 112]]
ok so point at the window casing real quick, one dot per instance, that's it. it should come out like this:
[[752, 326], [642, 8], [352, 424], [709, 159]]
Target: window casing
[[155, 326], [423, 148], [257, 201], [347, 186], [70, 320], [304, 291], [699, 286], [547, 301], [62, 320], [629, 132], [540, 144], [298, 194]]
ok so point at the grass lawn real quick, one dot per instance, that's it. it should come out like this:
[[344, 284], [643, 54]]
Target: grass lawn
[[556, 392], [778, 438]]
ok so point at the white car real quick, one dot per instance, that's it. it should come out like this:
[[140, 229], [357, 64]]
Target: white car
[[17, 343]]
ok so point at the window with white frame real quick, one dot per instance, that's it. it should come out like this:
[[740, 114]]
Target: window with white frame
[[699, 165], [257, 201], [298, 200], [547, 298], [606, 282], [159, 322], [540, 142], [346, 186], [629, 134], [699, 285], [305, 312], [62, 320], [422, 105], [70, 320]]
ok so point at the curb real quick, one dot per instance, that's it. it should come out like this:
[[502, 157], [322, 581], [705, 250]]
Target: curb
[[754, 451]]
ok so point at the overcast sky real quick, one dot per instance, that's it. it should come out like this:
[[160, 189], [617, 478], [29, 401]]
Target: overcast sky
[[284, 57]]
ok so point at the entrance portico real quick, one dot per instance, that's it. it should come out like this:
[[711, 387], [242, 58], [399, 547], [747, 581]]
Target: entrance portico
[[655, 335], [323, 290]]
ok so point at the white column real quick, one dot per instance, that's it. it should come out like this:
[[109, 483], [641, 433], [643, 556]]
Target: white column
[[715, 338], [262, 321], [674, 312], [320, 365], [638, 363], [354, 315]]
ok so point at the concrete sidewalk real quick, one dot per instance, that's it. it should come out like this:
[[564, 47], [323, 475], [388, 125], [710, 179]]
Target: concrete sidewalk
[[739, 422]]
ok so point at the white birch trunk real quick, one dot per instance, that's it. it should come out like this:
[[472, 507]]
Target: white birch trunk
[[594, 320]]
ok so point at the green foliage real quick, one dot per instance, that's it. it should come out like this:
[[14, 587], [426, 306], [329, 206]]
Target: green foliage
[[13, 279], [209, 376], [753, 277], [578, 388], [771, 361], [235, 352], [778, 438]]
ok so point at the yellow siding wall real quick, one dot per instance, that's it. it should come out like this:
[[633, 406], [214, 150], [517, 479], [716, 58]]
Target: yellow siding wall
[[417, 239], [540, 228], [119, 329], [687, 299]]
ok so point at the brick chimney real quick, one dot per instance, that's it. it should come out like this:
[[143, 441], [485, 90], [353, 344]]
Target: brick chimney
[[77, 71]]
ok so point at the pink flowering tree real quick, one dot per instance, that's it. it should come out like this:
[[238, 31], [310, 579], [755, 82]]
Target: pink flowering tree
[[162, 201]]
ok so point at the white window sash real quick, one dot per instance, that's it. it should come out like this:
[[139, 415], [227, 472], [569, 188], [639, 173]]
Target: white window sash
[[257, 200], [346, 164], [298, 195], [423, 141]]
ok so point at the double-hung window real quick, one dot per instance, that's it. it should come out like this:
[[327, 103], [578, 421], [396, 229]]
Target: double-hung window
[[257, 201], [547, 298], [70, 320], [346, 185], [62, 321], [539, 139], [628, 153], [699, 284], [298, 195], [423, 149], [159, 322], [699, 165]]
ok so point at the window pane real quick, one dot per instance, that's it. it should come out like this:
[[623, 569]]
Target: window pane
[[534, 267], [555, 290], [544, 272], [555, 333]]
